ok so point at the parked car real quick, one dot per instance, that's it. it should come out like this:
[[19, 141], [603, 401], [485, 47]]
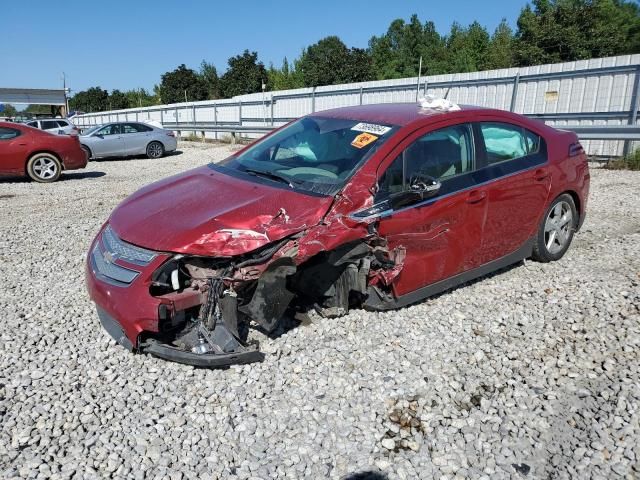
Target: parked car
[[59, 126], [41, 155], [375, 206], [122, 139]]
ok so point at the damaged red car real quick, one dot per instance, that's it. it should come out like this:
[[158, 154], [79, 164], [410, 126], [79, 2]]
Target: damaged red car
[[374, 207]]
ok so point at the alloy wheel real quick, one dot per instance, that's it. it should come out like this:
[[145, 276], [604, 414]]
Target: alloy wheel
[[45, 168], [557, 227]]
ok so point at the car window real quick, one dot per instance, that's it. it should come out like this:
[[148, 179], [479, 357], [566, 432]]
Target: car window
[[507, 142], [8, 133], [142, 128], [49, 124], [62, 123], [33, 124], [443, 154], [109, 130], [132, 128]]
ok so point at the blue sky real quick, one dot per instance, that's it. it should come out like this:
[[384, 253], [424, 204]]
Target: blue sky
[[129, 44]]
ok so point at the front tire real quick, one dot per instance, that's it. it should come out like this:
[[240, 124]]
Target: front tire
[[556, 230], [87, 151], [155, 150], [44, 168]]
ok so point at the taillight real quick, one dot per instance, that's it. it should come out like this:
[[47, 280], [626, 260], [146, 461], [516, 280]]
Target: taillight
[[575, 149], [171, 134]]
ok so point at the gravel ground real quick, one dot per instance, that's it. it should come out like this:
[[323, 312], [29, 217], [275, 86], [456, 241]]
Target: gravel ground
[[533, 372]]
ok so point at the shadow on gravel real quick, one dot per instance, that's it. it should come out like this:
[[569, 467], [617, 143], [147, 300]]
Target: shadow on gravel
[[136, 157], [366, 476], [81, 175]]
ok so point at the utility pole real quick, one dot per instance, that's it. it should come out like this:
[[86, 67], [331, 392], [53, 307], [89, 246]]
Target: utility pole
[[419, 75], [185, 96], [66, 91]]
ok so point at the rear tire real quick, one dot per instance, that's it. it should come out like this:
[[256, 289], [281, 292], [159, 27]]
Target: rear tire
[[556, 230], [44, 168], [87, 151], [155, 150]]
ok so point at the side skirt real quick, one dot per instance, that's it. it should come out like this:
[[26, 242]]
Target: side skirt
[[375, 302]]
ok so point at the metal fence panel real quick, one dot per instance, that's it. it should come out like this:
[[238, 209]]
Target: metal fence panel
[[601, 91]]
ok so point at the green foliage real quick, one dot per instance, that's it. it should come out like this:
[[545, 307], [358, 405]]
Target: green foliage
[[95, 99], [245, 75], [284, 78], [501, 49], [566, 30], [140, 98], [182, 84], [629, 162], [209, 74], [330, 61], [9, 111], [118, 100]]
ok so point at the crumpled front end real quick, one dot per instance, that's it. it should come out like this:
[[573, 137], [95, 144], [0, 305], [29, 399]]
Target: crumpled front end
[[198, 310]]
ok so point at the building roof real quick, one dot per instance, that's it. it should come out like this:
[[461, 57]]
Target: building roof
[[32, 96]]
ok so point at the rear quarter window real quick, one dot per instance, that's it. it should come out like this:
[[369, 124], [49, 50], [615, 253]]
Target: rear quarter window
[[504, 141], [8, 133]]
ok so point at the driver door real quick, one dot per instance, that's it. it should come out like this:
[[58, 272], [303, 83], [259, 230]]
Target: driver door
[[440, 234], [109, 142]]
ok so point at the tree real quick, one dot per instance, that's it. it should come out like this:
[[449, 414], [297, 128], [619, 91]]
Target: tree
[[284, 78], [118, 100], [501, 54], [566, 30], [244, 75], [209, 74], [397, 53], [8, 110], [468, 48], [180, 83], [329, 61], [95, 99], [140, 98]]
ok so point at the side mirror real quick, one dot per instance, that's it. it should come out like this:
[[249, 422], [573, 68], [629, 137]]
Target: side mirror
[[421, 187]]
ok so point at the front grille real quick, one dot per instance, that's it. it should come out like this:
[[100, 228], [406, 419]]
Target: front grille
[[125, 251], [109, 249]]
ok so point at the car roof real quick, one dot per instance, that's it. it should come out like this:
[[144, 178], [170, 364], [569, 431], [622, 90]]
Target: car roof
[[400, 114]]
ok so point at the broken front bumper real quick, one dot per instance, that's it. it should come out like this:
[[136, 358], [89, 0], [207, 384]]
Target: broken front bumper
[[119, 279]]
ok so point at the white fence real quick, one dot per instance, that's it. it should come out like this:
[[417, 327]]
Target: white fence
[[602, 91]]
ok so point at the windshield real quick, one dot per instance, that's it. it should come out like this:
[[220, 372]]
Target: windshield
[[91, 130], [314, 153]]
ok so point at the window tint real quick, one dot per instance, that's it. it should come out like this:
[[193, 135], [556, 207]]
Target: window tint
[[507, 142], [135, 128], [62, 123], [8, 133], [442, 154], [33, 124], [109, 130], [49, 124]]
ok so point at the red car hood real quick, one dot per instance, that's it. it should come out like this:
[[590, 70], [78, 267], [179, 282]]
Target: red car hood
[[205, 212]]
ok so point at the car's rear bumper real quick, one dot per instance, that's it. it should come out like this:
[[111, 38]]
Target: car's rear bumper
[[74, 159]]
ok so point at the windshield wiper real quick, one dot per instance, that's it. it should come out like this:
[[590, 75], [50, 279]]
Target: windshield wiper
[[270, 176]]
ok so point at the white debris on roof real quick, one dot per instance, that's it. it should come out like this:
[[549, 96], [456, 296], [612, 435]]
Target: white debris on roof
[[436, 103]]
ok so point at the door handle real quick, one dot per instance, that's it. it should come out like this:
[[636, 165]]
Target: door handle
[[540, 174], [476, 196]]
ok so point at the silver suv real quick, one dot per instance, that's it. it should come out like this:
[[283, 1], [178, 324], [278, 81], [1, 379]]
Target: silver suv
[[59, 126]]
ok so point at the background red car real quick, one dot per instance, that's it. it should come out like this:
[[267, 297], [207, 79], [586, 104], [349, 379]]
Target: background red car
[[40, 155]]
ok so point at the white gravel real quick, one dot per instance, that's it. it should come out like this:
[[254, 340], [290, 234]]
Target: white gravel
[[533, 372]]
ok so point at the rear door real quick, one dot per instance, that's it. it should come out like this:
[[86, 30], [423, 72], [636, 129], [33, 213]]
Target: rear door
[[441, 233], [514, 167], [136, 138], [14, 147], [108, 142]]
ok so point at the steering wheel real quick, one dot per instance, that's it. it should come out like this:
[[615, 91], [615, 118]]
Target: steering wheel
[[309, 171]]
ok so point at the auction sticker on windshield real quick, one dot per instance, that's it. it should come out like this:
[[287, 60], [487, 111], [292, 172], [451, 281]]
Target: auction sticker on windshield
[[371, 128], [363, 140]]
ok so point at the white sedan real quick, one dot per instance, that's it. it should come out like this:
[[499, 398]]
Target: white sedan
[[122, 139]]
